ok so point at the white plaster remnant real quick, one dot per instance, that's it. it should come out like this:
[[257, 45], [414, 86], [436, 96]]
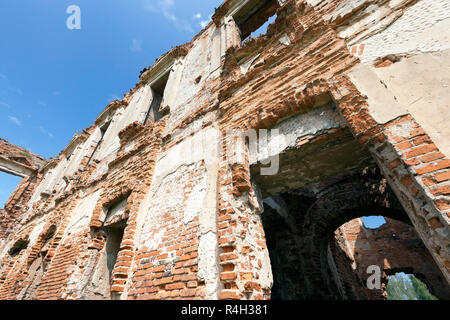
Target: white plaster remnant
[[195, 201], [155, 240], [417, 85], [116, 211], [5, 246], [265, 274], [285, 40], [246, 65], [422, 28], [35, 234], [82, 214], [291, 129], [383, 104], [314, 2], [208, 264]]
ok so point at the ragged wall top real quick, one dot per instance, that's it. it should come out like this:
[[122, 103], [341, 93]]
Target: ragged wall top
[[17, 160], [137, 150]]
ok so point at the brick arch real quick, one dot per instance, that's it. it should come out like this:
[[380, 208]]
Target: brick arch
[[336, 206]]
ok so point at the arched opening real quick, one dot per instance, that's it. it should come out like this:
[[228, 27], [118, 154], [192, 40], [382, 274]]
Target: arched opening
[[395, 249], [324, 180], [18, 247], [320, 247]]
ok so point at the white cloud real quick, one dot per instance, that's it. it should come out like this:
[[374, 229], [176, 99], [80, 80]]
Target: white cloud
[[4, 104], [164, 7], [44, 131], [158, 5], [136, 45], [56, 93], [15, 120], [112, 98], [204, 23], [16, 90], [42, 103]]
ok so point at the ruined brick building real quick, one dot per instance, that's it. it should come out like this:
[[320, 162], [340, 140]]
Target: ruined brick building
[[145, 204]]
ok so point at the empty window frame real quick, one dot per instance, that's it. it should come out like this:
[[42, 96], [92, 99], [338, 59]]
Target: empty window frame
[[103, 130], [114, 238], [158, 88], [18, 246], [255, 15], [114, 224]]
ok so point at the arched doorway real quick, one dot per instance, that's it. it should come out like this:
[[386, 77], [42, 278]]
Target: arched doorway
[[309, 260]]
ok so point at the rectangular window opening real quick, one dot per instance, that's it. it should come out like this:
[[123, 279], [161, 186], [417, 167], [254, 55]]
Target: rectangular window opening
[[8, 184], [254, 18], [103, 130], [115, 234], [155, 112], [114, 225]]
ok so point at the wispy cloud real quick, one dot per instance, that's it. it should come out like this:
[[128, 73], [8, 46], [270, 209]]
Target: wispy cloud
[[16, 90], [2, 103], [15, 120], [44, 131], [164, 7], [42, 103], [56, 93], [112, 98], [3, 77], [136, 45], [203, 23]]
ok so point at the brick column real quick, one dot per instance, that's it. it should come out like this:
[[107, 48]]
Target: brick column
[[244, 259]]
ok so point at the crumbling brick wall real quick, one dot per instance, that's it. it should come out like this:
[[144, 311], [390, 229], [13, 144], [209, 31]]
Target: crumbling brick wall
[[394, 247], [13, 153], [311, 59]]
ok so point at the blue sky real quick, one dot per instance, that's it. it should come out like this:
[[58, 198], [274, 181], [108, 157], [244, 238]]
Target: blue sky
[[373, 222], [54, 82]]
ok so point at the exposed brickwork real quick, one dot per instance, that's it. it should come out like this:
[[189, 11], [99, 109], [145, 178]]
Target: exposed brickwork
[[20, 155], [166, 266], [193, 221], [394, 247]]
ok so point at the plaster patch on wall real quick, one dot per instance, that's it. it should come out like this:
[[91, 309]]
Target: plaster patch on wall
[[5, 246], [246, 65], [207, 264], [155, 240], [35, 233], [82, 214], [265, 273], [285, 40], [168, 197], [422, 28], [117, 210], [195, 201], [298, 126]]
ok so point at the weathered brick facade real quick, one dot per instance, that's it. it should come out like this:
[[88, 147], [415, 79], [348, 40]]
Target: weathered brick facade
[[147, 204]]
